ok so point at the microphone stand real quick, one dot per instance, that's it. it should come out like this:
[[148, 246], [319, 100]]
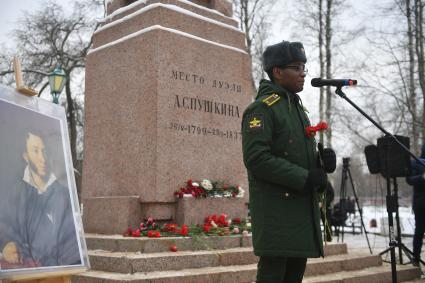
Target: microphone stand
[[391, 199]]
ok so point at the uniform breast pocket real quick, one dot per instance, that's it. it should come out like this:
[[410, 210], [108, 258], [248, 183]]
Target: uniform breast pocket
[[286, 145]]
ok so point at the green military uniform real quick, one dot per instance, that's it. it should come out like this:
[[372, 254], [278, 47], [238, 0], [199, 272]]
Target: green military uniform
[[278, 156]]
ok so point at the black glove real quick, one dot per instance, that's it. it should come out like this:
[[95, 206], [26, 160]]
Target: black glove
[[329, 160], [326, 158], [316, 180]]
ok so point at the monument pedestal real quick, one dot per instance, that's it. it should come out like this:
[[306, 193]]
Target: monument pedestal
[[166, 85], [110, 215]]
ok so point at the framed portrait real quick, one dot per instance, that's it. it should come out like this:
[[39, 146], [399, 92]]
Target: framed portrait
[[41, 232]]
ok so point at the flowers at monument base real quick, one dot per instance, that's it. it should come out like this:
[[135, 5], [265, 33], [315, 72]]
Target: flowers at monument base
[[206, 185], [214, 225], [173, 248], [136, 233], [311, 130], [207, 188], [153, 234], [144, 229], [219, 221]]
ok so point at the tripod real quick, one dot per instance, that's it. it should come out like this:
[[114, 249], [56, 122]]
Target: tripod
[[346, 173], [392, 207]]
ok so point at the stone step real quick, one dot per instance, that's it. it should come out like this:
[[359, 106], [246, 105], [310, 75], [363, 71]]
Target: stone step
[[149, 262], [381, 274], [243, 274], [338, 263], [122, 262], [421, 280], [220, 274], [118, 243]]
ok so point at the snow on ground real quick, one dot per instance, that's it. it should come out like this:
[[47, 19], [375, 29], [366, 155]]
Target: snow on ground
[[379, 213], [378, 237]]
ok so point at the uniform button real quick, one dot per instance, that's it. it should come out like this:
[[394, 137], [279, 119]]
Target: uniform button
[[290, 141], [285, 153], [286, 195]]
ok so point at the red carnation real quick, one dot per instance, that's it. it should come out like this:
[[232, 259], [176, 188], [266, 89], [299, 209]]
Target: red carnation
[[136, 233], [208, 219], [222, 220], [311, 130], [207, 228], [173, 248], [185, 230]]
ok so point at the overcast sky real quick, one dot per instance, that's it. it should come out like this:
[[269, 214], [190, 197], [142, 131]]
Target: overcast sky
[[282, 28], [11, 11]]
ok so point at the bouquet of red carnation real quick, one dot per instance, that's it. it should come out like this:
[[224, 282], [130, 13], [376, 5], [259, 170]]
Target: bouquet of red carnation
[[192, 189], [311, 130], [215, 221], [143, 229]]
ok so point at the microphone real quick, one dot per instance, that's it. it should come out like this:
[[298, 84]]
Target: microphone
[[319, 82]]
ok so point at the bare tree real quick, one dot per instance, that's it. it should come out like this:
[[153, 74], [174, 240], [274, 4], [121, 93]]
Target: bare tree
[[321, 65], [395, 70], [320, 21], [48, 38], [411, 87], [328, 65], [419, 47], [253, 18]]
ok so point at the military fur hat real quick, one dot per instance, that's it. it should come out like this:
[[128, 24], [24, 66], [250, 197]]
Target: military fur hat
[[283, 54]]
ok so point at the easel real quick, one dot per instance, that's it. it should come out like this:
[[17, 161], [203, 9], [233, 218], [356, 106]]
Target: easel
[[48, 277], [20, 87]]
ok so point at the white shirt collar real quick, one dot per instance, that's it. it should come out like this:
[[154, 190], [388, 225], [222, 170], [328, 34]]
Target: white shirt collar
[[27, 178]]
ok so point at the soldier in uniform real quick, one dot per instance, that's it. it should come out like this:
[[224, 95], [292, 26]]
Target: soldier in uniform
[[283, 173]]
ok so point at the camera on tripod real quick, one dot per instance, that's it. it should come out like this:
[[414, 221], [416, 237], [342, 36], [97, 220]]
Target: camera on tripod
[[346, 206], [346, 162]]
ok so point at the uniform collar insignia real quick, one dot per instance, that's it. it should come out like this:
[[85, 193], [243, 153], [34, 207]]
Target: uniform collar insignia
[[271, 99]]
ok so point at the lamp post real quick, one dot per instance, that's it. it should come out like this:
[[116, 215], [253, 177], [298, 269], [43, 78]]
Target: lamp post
[[57, 81]]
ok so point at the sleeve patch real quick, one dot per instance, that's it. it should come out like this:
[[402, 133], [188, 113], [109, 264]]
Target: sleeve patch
[[255, 122], [271, 99]]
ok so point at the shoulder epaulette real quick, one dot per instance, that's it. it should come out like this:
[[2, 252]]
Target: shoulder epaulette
[[271, 99]]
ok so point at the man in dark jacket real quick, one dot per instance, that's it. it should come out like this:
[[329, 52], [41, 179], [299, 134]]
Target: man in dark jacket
[[281, 161], [417, 180]]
